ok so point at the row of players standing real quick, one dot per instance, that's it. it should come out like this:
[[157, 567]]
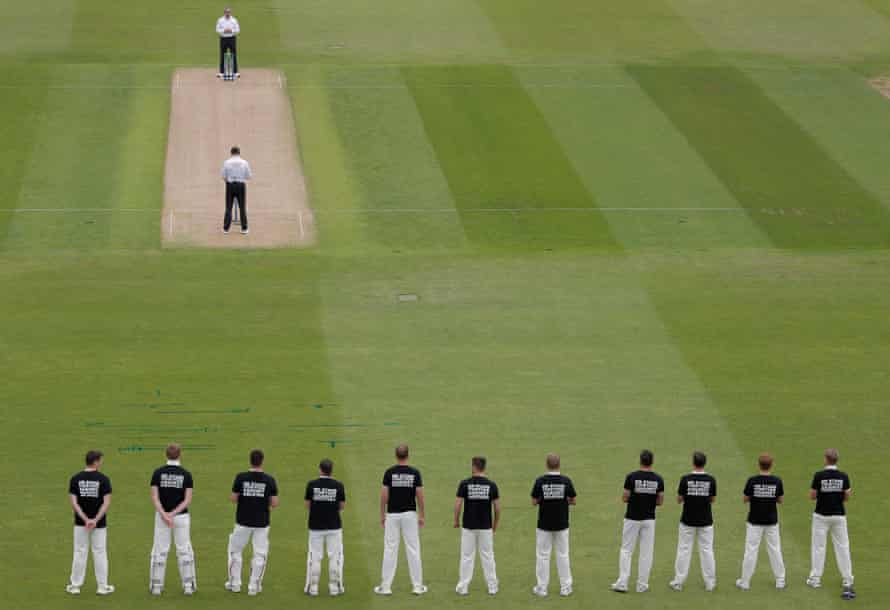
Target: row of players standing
[[476, 512]]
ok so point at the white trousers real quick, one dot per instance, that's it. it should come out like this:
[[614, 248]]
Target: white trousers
[[470, 542], [402, 525], [85, 541], [545, 542], [238, 539], [837, 527], [318, 540], [633, 530], [753, 536], [180, 534], [685, 542]]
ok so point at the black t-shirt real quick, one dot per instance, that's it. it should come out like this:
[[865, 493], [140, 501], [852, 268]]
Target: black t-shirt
[[830, 485], [325, 495], [172, 481], [402, 481], [254, 490], [644, 487], [553, 492], [478, 493], [90, 487], [697, 489], [763, 491]]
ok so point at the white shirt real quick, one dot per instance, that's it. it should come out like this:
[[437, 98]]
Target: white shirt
[[236, 169], [222, 24]]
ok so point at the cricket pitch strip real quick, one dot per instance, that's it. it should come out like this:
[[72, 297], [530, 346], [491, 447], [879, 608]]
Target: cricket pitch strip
[[208, 117]]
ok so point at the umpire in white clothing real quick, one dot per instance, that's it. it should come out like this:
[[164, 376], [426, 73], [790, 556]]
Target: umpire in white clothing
[[325, 499], [228, 29], [236, 173], [831, 490], [171, 494]]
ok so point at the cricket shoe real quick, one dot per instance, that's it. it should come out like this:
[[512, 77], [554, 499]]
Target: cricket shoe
[[379, 590], [492, 590], [237, 75], [225, 231], [420, 590], [848, 594], [675, 585], [740, 585], [252, 591], [219, 75], [72, 589], [463, 591], [641, 588], [617, 587], [188, 590], [155, 590], [710, 588], [565, 591], [539, 591], [233, 588], [312, 592], [105, 590], [780, 584], [245, 231], [814, 583]]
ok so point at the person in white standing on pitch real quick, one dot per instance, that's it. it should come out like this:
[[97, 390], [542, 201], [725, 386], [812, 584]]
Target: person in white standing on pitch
[[325, 499], [763, 494], [696, 492], [171, 494], [553, 493], [255, 493], [227, 28], [90, 496], [476, 497], [401, 514], [236, 173], [831, 489], [643, 491]]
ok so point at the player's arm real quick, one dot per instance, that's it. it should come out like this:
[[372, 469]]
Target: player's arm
[[747, 499], [458, 505], [573, 500], [625, 496], [780, 499], [106, 503], [234, 497], [249, 173], [184, 504], [659, 498], [77, 509], [497, 515], [342, 505], [421, 507], [156, 500], [220, 28], [273, 501], [384, 499], [847, 494], [236, 27]]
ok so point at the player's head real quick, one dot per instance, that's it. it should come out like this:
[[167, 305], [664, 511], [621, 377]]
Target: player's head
[[765, 461], [93, 458], [647, 458], [235, 150], [831, 456], [479, 464], [552, 462], [256, 458], [227, 11], [174, 450], [326, 467], [699, 459], [402, 452]]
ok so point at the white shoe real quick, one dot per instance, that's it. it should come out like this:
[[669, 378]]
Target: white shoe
[[225, 231], [188, 590], [565, 591], [618, 587], [72, 589], [252, 591], [156, 590], [245, 231], [540, 592], [492, 590], [336, 592], [233, 588], [710, 588], [814, 583], [642, 588], [675, 586], [740, 584], [237, 75], [312, 592], [780, 584], [219, 75], [105, 590], [461, 590], [419, 589], [379, 590]]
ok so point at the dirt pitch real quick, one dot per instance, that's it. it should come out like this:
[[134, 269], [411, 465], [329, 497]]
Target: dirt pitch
[[207, 117]]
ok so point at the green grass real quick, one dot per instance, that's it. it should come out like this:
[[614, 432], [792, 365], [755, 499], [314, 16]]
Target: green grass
[[661, 224]]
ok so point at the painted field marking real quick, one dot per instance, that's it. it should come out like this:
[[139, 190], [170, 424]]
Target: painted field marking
[[398, 210], [300, 219]]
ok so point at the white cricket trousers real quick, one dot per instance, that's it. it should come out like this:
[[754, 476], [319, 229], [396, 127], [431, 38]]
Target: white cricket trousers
[[545, 541], [238, 539], [470, 542], [685, 542], [85, 541], [753, 536], [404, 524], [318, 540], [835, 525], [634, 530], [180, 534]]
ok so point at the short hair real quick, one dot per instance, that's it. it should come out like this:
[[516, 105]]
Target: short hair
[[235, 150], [174, 450], [831, 456], [699, 459], [479, 463], [552, 461], [765, 461], [402, 451], [646, 458], [93, 456], [256, 458], [326, 466]]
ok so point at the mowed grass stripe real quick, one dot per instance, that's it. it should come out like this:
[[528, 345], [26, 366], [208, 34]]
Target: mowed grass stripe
[[798, 194], [498, 152]]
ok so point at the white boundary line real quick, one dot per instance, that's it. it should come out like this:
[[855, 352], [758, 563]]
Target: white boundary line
[[393, 210]]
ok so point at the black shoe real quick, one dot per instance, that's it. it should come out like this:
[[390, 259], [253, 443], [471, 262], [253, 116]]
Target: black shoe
[[848, 593]]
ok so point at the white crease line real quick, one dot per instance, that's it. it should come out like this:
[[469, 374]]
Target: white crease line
[[300, 219], [279, 82], [397, 210]]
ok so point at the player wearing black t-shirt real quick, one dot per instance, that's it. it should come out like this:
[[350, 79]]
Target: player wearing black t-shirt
[[476, 497], [552, 494], [90, 495], [401, 513], [696, 493], [643, 491], [325, 499], [763, 493], [171, 494], [831, 490], [255, 493]]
